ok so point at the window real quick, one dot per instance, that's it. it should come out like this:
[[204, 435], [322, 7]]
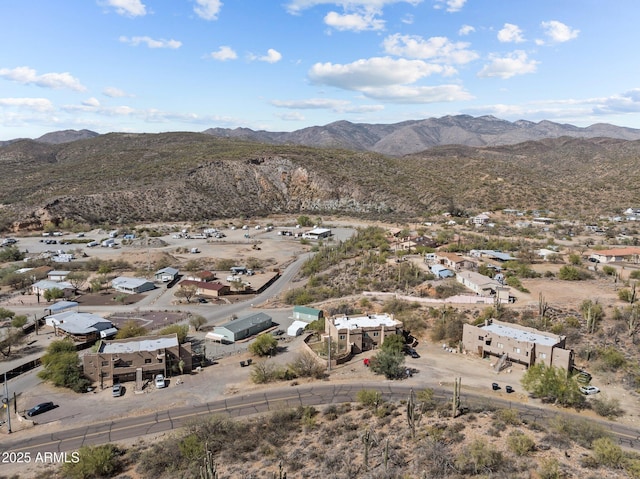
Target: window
[[543, 355], [500, 346], [147, 360], [376, 333], [480, 338], [105, 363], [516, 350], [342, 337]]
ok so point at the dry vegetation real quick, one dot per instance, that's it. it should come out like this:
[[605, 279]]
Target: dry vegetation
[[126, 178], [373, 439]]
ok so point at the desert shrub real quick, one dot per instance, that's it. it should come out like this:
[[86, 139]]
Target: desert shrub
[[479, 457], [607, 453], [95, 461], [508, 416], [607, 407], [306, 365], [572, 273], [609, 270], [610, 359], [582, 432], [180, 329], [388, 363], [635, 274], [520, 444], [549, 468], [263, 372], [264, 345], [369, 398]]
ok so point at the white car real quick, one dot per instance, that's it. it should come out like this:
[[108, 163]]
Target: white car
[[160, 381], [588, 390]]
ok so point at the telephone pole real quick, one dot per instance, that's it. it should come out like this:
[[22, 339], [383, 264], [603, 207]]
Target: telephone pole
[[6, 402]]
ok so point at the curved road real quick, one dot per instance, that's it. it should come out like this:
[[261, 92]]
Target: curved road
[[269, 400]]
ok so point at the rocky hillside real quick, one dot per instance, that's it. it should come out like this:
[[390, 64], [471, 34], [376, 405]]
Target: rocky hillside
[[121, 178]]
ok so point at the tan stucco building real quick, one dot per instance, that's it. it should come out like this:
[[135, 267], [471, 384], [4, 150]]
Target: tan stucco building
[[118, 360], [362, 333], [516, 343]]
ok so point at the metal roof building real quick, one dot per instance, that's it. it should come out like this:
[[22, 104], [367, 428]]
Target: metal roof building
[[131, 285], [242, 328]]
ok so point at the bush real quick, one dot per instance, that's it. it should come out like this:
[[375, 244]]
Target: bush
[[607, 407], [369, 397], [572, 273], [607, 453], [264, 345], [61, 366], [520, 444], [391, 364], [95, 461], [180, 329], [609, 270], [306, 365]]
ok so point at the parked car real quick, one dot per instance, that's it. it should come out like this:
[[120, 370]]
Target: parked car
[[202, 300], [278, 332], [588, 390], [40, 408], [160, 383], [116, 390]]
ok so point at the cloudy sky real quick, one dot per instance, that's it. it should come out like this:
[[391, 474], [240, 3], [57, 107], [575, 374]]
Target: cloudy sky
[[189, 65]]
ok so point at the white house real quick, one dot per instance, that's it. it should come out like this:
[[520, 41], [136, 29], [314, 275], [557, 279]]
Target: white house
[[483, 285], [41, 287], [167, 274], [317, 233], [58, 275], [131, 285]]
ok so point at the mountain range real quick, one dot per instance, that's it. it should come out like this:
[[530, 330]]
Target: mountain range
[[125, 178], [403, 138]]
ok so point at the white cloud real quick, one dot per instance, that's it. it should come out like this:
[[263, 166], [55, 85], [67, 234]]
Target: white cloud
[[291, 116], [34, 104], [558, 32], [272, 56], [466, 30], [338, 106], [418, 94], [224, 53], [297, 6], [515, 63], [451, 5], [92, 102], [208, 9], [510, 33], [151, 43], [627, 102], [357, 22], [438, 49], [113, 92], [28, 76], [372, 72], [128, 8]]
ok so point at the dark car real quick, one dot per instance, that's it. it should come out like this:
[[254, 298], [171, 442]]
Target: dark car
[[278, 332], [40, 408], [413, 353], [202, 300]]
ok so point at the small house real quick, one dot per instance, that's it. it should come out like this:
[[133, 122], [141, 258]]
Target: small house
[[242, 328], [166, 275]]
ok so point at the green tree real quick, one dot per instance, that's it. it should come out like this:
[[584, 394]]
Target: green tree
[[554, 385], [264, 345], [95, 461], [304, 221], [18, 321], [394, 343], [77, 279], [391, 364], [180, 329], [197, 322], [187, 291], [572, 273], [52, 294], [61, 366], [131, 329]]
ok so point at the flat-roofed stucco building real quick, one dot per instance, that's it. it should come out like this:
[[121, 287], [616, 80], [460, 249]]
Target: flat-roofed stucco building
[[517, 343], [118, 360], [362, 332]]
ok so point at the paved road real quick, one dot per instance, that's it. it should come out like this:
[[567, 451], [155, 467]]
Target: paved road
[[272, 399]]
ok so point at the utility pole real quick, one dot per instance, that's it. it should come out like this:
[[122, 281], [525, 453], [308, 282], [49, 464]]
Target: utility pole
[[329, 353], [6, 402]]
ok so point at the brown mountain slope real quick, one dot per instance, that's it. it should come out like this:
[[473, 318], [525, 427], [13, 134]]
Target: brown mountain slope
[[119, 178]]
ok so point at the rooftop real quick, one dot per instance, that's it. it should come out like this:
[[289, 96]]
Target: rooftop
[[522, 334], [146, 343], [367, 321]]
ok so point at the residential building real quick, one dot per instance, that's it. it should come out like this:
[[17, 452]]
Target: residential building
[[201, 276], [307, 314], [128, 285], [453, 261], [167, 275], [241, 328], [55, 275], [441, 272], [361, 333], [208, 289], [483, 285], [630, 255], [518, 344], [83, 327], [317, 234], [120, 360], [41, 287]]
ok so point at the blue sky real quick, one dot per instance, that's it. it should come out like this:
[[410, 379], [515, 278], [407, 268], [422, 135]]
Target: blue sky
[[189, 65]]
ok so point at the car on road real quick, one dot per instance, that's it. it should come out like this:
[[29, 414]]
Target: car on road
[[202, 300], [160, 383], [588, 390], [116, 390], [278, 332], [40, 408]]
